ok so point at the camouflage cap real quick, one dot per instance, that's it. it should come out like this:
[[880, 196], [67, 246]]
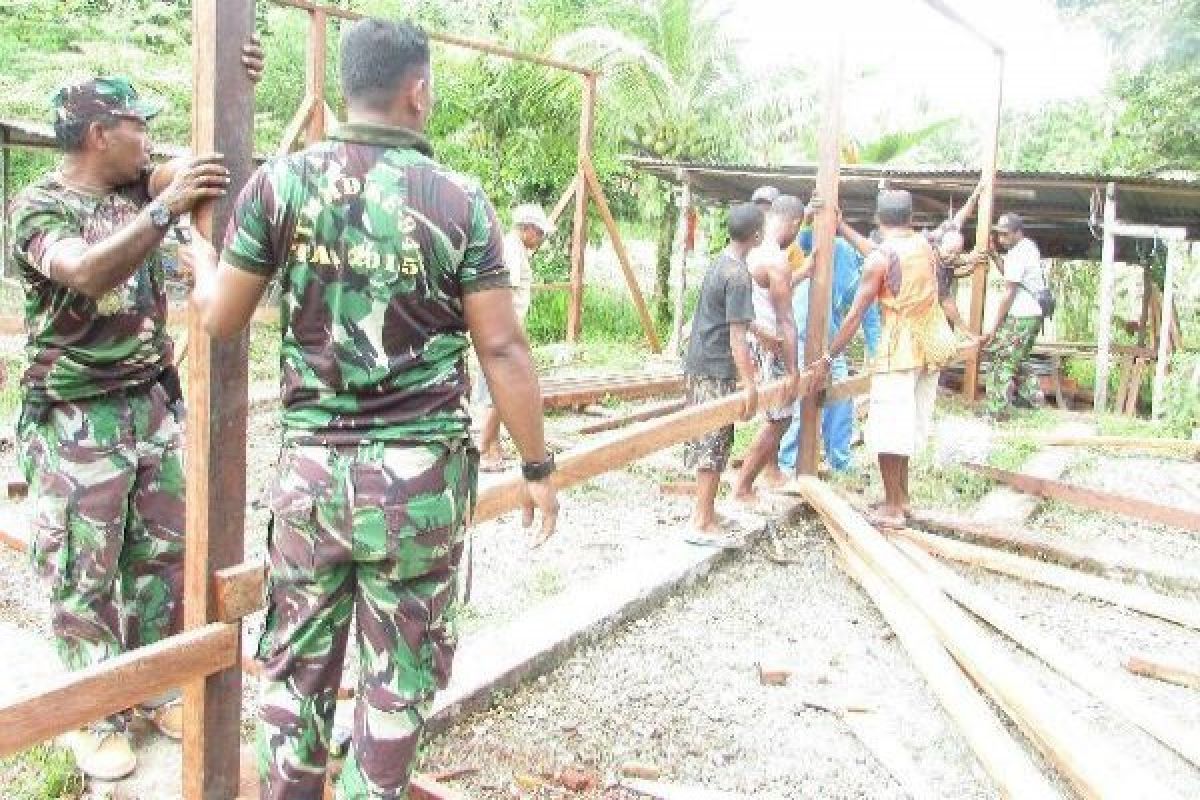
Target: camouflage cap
[[114, 95]]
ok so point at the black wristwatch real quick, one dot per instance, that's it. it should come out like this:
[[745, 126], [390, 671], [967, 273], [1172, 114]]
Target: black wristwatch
[[538, 470], [160, 215]]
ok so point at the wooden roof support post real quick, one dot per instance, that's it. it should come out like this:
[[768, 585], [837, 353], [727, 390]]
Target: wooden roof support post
[[1108, 278], [222, 122], [983, 230], [1174, 257], [314, 74], [680, 257], [587, 123], [820, 295]]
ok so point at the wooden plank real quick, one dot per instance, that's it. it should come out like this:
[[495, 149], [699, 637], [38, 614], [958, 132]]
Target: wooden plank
[[1151, 443], [1164, 671], [1103, 557], [565, 200], [890, 752], [1094, 499], [571, 396], [314, 74], [1076, 749], [1136, 598], [657, 410], [62, 703], [820, 289], [1106, 685], [587, 126], [614, 233], [222, 122], [238, 589], [14, 532], [1135, 387], [446, 38], [1004, 760], [298, 123], [1175, 253], [1125, 371], [1108, 279], [983, 230]]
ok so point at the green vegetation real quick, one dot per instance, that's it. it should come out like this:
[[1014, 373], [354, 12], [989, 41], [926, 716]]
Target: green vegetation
[[44, 772]]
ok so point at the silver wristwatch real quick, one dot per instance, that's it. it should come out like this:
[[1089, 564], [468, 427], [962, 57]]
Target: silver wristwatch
[[160, 215]]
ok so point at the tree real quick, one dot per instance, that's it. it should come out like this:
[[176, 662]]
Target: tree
[[671, 73]]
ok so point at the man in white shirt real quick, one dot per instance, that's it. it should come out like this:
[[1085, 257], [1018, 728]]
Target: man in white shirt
[[1018, 321], [530, 227]]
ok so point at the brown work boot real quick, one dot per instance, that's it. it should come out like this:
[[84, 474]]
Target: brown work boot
[[167, 719], [103, 755]]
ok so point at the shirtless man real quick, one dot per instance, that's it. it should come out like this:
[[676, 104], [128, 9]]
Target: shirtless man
[[774, 339]]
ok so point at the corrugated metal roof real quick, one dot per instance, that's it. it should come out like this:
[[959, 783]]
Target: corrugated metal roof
[[1062, 210]]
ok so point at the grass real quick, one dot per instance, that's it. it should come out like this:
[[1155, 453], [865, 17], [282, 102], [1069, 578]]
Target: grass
[[44, 772], [546, 582], [1121, 425]]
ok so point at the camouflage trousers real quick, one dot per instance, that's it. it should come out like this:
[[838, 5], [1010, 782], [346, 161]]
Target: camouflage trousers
[[107, 483], [1010, 363], [373, 532]]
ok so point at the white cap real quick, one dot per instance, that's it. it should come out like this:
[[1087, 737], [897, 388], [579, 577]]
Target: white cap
[[532, 214]]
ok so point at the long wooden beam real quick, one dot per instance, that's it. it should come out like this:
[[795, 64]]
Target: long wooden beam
[[1188, 446], [446, 38], [1175, 254], [1077, 750], [1154, 604], [65, 702], [1161, 670], [983, 228], [820, 288], [1103, 558], [1093, 498], [1101, 683], [618, 243], [222, 122], [657, 410], [1002, 757]]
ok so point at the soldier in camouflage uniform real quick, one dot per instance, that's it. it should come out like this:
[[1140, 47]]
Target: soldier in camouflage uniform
[[99, 432], [386, 260]]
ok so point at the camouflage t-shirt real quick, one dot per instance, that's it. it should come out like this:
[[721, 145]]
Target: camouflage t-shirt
[[375, 245], [79, 348]]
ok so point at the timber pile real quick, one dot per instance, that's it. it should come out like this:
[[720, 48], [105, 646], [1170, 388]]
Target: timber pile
[[944, 624]]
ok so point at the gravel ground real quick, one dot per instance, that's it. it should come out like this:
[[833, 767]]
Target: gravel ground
[[679, 689]]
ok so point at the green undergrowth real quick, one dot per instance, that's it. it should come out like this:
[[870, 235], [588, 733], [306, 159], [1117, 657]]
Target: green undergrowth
[[44, 772], [1121, 425]]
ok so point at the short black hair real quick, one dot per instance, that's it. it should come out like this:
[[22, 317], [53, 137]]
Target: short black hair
[[745, 222], [788, 205], [894, 207], [376, 56], [69, 134]]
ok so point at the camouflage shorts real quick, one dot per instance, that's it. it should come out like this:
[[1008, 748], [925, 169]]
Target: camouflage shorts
[[711, 451], [374, 533], [106, 481], [771, 368]]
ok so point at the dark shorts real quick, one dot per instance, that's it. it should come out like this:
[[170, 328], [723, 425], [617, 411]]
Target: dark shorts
[[710, 452]]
